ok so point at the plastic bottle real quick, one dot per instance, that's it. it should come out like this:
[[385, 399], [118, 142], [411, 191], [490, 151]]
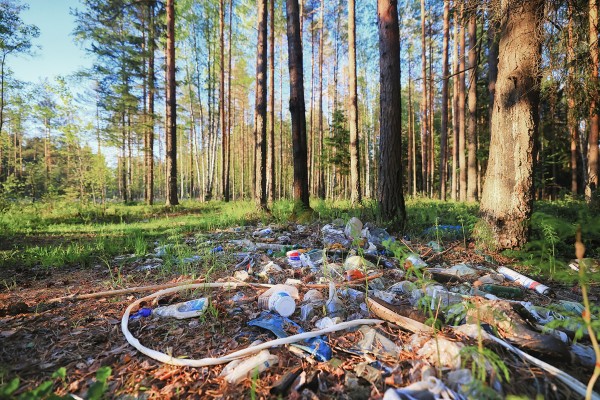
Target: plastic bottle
[[279, 298], [294, 259], [506, 292], [188, 309], [334, 305], [261, 361], [524, 281], [403, 287]]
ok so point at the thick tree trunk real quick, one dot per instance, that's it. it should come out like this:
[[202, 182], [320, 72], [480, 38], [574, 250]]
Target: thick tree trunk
[[455, 112], [171, 117], [472, 129], [444, 133], [261, 108], [508, 188], [222, 116], [356, 195], [424, 97], [301, 194], [271, 150], [462, 160], [592, 182], [321, 185], [571, 121], [389, 193]]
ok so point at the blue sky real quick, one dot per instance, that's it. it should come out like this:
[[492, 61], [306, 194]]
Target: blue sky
[[58, 54]]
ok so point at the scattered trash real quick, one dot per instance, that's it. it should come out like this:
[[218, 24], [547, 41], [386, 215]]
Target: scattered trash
[[435, 246], [279, 298], [187, 309], [505, 292], [358, 262], [353, 228], [524, 281], [293, 259], [414, 261], [430, 388], [334, 236], [237, 370], [263, 232], [334, 305], [442, 352], [375, 235]]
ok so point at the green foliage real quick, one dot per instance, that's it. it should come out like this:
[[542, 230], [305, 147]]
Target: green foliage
[[45, 391], [424, 215], [338, 145]]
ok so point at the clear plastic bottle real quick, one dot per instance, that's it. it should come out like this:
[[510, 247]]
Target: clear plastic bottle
[[188, 309], [334, 305]]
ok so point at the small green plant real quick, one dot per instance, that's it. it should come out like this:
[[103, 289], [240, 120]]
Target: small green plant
[[550, 237]]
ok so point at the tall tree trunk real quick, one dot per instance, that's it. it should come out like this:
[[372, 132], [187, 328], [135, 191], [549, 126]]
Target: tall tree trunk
[[444, 133], [171, 101], [508, 188], [301, 194], [389, 193], [149, 129], [472, 129], [222, 117], [321, 186], [227, 183], [455, 111], [261, 108], [592, 182], [356, 195], [462, 160], [571, 121], [424, 117], [412, 184], [271, 151]]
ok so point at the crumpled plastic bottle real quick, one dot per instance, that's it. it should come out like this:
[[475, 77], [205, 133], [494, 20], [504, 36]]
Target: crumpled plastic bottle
[[334, 305], [188, 309]]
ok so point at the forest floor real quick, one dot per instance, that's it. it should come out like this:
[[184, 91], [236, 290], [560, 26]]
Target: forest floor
[[38, 336]]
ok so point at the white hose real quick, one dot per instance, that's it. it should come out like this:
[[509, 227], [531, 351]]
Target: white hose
[[167, 359]]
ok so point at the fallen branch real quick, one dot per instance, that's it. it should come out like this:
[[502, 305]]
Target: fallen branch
[[118, 292], [405, 323], [167, 359]]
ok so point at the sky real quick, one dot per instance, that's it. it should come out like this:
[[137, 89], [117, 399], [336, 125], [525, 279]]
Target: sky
[[58, 54]]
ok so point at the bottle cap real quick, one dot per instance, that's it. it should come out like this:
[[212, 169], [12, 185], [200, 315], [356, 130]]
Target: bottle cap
[[283, 303]]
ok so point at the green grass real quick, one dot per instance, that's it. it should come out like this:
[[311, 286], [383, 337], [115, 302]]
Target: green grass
[[54, 233]]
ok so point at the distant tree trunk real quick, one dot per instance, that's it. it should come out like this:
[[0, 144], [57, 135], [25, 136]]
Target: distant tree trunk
[[455, 111], [592, 182], [301, 193], [462, 160], [261, 108], [472, 129], [571, 122], [171, 101], [228, 189], [412, 178], [321, 186], [222, 116], [508, 188], [444, 133], [424, 117], [271, 149], [389, 193], [149, 129], [355, 189]]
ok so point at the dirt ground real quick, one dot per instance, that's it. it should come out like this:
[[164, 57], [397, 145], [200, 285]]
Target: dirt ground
[[38, 337]]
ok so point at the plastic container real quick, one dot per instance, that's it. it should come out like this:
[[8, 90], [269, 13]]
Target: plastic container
[[524, 281], [188, 309], [294, 259], [279, 298], [403, 287], [240, 370]]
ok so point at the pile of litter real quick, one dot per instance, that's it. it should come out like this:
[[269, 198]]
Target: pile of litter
[[412, 328]]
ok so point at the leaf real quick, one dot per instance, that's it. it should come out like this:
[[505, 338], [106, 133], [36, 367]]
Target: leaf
[[10, 387], [103, 374], [60, 373]]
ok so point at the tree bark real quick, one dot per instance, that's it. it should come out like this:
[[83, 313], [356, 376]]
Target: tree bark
[[301, 193], [321, 185], [455, 112], [424, 118], [261, 108], [472, 129], [355, 189], [508, 188], [222, 124], [389, 193], [444, 133], [171, 117], [592, 182], [462, 160], [271, 150], [571, 121]]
